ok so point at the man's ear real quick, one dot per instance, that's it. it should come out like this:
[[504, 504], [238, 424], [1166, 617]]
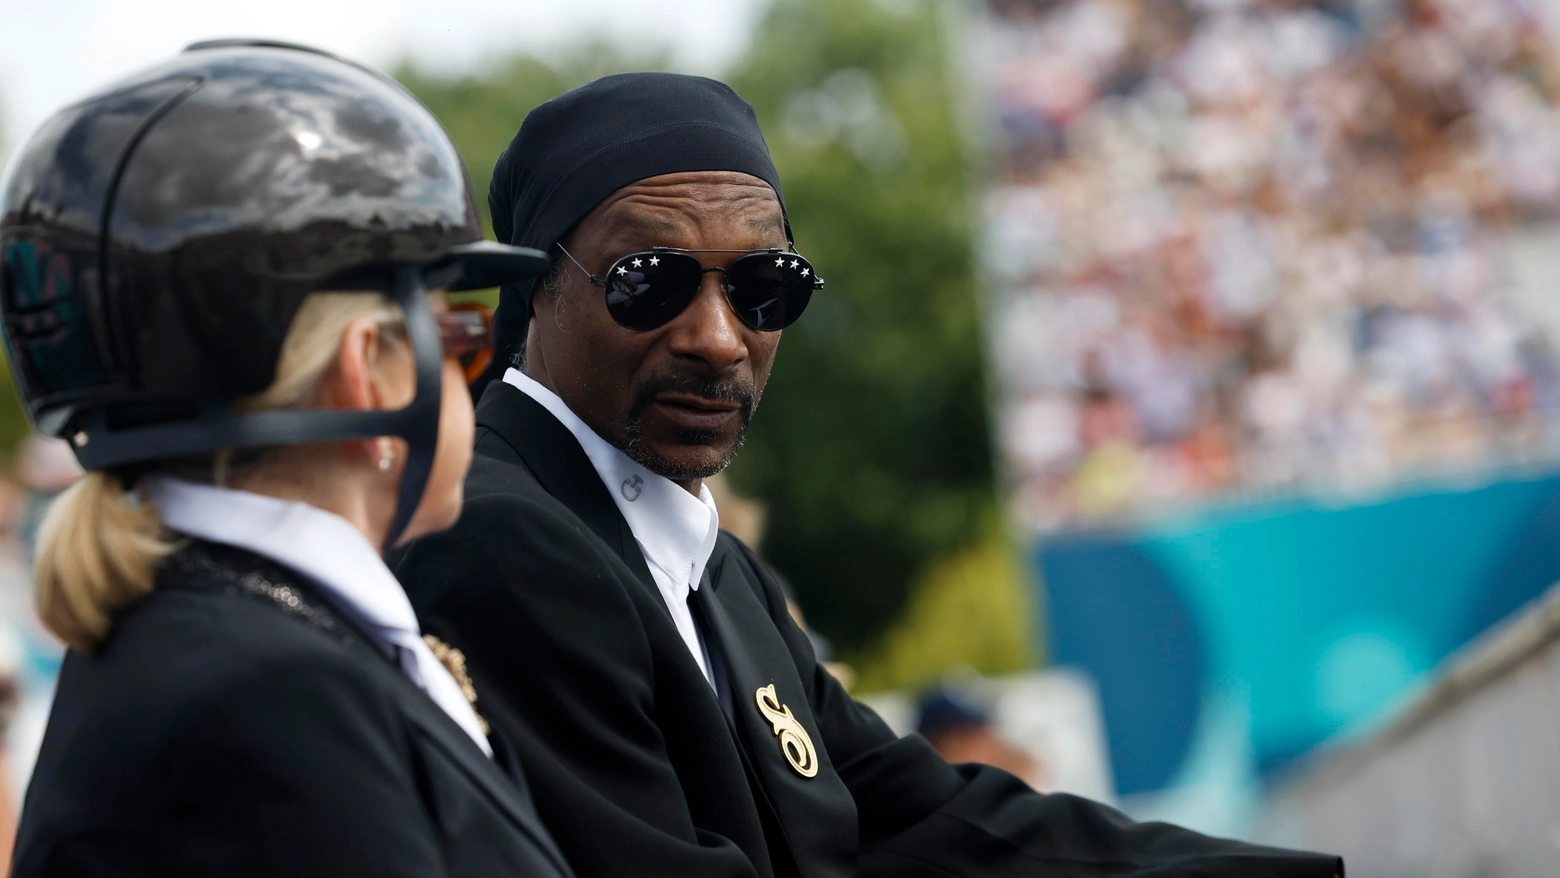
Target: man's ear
[[531, 353]]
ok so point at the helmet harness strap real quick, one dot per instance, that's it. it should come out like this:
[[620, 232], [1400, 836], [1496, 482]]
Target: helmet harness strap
[[418, 422]]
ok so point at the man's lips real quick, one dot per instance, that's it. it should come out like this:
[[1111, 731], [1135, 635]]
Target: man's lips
[[698, 403], [696, 412]]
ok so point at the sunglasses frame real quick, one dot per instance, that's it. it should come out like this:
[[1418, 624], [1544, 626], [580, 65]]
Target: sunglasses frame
[[788, 250], [466, 333]]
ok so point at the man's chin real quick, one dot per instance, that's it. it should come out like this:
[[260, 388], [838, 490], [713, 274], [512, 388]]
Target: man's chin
[[685, 461]]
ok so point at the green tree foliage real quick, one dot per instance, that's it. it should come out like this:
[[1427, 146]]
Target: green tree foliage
[[870, 448], [966, 610], [482, 111], [14, 426]]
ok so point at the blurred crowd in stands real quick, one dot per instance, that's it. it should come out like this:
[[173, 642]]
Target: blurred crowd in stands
[[1242, 246]]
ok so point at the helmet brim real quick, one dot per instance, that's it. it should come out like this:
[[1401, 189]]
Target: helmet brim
[[485, 264]]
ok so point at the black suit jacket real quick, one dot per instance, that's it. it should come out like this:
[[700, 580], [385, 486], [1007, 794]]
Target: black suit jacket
[[235, 724], [640, 769]]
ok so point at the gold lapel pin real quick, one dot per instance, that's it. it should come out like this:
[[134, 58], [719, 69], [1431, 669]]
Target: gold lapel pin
[[454, 661], [794, 742]]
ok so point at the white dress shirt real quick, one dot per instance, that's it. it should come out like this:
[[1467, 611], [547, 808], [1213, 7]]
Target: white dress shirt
[[334, 556], [675, 530]]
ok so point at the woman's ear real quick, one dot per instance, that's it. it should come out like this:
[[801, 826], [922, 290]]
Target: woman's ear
[[351, 383]]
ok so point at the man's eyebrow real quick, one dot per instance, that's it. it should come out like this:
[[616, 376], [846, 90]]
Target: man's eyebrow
[[766, 222], [647, 223]]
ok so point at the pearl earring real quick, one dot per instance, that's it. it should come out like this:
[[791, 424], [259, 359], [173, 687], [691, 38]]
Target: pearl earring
[[385, 461]]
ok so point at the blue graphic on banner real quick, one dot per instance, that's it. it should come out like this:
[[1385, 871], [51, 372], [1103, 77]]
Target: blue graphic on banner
[[1312, 618]]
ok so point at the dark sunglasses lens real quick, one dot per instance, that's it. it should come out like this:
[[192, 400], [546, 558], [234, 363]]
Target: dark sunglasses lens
[[648, 290], [769, 291]]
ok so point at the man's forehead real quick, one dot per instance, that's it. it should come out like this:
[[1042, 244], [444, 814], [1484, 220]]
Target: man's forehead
[[675, 203], [668, 219]]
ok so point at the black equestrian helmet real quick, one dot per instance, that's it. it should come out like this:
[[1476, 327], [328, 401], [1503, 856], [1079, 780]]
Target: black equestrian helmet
[[157, 238]]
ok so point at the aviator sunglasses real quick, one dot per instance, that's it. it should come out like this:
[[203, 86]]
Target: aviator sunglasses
[[466, 333], [768, 289]]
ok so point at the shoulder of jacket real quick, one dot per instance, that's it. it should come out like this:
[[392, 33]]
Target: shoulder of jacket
[[529, 547], [728, 546], [189, 654], [250, 628], [499, 522], [497, 472], [755, 573], [728, 541]]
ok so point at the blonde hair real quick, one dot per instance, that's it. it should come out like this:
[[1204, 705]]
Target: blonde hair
[[99, 545]]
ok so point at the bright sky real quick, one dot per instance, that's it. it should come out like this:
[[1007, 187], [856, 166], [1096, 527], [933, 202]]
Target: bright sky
[[54, 51]]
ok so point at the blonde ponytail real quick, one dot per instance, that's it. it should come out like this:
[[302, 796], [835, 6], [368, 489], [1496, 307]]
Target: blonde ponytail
[[96, 553], [99, 546]]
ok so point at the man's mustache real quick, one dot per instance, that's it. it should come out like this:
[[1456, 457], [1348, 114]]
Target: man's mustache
[[736, 389]]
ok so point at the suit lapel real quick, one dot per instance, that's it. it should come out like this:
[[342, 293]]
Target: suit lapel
[[546, 447], [817, 813], [442, 732]]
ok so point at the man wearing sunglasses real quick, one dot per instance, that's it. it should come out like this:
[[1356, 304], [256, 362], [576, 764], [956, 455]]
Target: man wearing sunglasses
[[676, 721]]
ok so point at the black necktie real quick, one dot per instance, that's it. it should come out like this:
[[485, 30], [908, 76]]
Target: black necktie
[[713, 649]]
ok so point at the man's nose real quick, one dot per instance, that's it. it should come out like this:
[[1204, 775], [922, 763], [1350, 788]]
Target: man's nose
[[709, 330]]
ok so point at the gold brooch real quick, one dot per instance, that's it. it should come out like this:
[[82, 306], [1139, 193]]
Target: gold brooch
[[454, 661], [794, 743]]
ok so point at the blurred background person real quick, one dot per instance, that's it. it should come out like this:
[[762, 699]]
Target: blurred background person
[[962, 731]]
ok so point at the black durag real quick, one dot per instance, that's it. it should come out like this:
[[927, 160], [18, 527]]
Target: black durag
[[580, 147]]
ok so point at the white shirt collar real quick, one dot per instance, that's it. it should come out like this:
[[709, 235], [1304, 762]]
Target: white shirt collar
[[675, 530], [320, 545], [332, 553]]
